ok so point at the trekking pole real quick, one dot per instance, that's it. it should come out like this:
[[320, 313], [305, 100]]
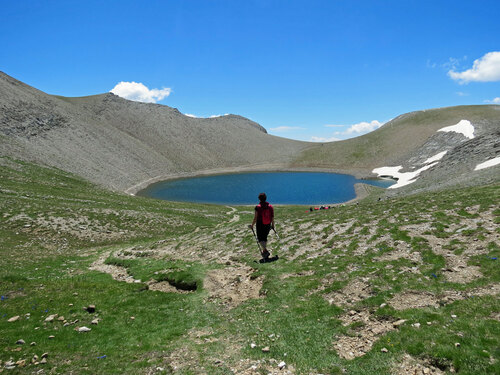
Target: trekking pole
[[276, 233], [256, 239]]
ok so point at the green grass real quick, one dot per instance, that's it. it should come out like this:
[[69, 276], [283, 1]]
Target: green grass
[[53, 226]]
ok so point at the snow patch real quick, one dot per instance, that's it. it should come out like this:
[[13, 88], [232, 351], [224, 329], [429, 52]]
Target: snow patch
[[436, 157], [488, 163], [403, 178], [463, 127]]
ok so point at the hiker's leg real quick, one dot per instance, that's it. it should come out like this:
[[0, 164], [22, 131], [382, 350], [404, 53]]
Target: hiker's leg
[[262, 233]]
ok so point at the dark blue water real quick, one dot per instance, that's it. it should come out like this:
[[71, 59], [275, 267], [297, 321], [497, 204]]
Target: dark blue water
[[243, 188]]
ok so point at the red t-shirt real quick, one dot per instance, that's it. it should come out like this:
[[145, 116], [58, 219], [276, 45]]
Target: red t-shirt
[[265, 213]]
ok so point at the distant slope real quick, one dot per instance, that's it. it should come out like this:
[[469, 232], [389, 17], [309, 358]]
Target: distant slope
[[119, 143], [411, 139], [123, 144]]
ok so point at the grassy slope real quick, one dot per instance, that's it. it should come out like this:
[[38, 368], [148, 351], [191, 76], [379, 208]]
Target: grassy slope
[[44, 269], [394, 140]]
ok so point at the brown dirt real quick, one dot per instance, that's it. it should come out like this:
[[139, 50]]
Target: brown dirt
[[232, 285], [353, 292], [419, 299], [368, 330], [412, 366]]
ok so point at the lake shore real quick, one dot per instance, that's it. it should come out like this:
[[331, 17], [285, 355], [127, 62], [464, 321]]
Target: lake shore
[[133, 190], [361, 189]]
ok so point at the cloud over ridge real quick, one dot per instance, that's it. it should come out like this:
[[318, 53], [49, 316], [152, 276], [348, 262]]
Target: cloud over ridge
[[484, 69], [138, 92]]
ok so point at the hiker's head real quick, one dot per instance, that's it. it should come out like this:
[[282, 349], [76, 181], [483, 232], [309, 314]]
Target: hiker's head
[[262, 197]]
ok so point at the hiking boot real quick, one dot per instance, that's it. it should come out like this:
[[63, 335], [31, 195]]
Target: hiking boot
[[265, 254]]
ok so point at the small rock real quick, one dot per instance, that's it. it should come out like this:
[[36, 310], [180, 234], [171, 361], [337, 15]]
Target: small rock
[[50, 318], [84, 329], [253, 346], [20, 342], [91, 309], [384, 350], [426, 370], [33, 343], [453, 316], [281, 365], [52, 337], [95, 321], [44, 355], [429, 323], [266, 349], [383, 305], [416, 325], [399, 322], [132, 318], [43, 361], [21, 363], [457, 344], [61, 319], [14, 319]]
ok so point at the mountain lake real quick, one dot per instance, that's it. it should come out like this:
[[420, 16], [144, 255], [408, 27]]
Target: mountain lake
[[300, 188]]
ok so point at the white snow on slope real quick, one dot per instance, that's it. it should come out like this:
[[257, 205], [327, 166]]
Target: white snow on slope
[[436, 157], [463, 127], [403, 178], [488, 163]]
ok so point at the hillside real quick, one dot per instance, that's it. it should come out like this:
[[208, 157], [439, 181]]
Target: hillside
[[96, 282], [125, 145], [413, 138], [119, 143]]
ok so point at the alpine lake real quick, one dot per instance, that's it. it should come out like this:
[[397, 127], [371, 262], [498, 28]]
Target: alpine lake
[[293, 188]]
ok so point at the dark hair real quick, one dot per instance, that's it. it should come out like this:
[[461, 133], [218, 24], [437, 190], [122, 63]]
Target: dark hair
[[262, 197]]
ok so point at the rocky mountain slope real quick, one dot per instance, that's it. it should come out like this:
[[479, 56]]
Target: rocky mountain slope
[[119, 143], [124, 145]]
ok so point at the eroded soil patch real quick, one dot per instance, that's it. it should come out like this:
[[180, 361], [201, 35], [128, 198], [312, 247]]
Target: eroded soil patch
[[366, 330], [233, 285]]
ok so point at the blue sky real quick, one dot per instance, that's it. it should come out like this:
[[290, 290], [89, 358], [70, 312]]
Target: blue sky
[[306, 70]]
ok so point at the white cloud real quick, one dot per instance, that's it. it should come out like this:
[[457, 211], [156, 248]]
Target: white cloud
[[334, 126], [493, 101], [485, 69], [323, 139], [363, 127], [190, 115], [214, 116], [140, 93], [286, 128]]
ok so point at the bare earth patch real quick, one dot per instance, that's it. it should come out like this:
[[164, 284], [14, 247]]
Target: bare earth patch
[[367, 331], [420, 299], [355, 291], [231, 286], [411, 366], [413, 300]]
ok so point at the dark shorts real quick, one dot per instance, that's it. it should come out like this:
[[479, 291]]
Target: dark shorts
[[263, 231]]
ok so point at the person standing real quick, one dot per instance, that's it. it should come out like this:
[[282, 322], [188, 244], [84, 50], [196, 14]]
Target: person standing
[[264, 218]]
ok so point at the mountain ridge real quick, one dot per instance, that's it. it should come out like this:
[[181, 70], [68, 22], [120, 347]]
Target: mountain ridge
[[123, 145]]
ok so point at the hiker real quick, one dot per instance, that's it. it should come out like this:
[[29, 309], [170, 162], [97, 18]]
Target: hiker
[[264, 218]]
